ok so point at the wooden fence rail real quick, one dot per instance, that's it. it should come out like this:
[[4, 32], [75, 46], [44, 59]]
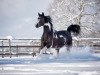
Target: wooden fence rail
[[35, 43], [9, 44]]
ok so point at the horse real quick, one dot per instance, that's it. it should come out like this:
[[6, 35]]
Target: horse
[[48, 38]]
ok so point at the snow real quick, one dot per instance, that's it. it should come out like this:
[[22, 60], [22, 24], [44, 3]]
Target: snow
[[79, 61], [51, 69], [82, 12], [9, 37], [76, 54]]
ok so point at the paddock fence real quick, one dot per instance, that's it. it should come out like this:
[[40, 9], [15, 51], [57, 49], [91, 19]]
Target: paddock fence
[[21, 47]]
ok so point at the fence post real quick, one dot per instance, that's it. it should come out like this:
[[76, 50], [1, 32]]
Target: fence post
[[33, 52], [17, 50], [2, 49], [10, 48]]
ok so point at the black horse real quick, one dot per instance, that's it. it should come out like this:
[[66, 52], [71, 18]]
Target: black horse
[[48, 38]]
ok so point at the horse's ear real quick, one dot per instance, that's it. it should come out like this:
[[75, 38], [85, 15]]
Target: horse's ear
[[42, 13], [39, 14]]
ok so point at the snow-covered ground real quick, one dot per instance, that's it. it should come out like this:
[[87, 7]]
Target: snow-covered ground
[[79, 61]]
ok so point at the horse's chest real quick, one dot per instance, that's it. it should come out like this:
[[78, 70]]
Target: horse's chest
[[44, 36]]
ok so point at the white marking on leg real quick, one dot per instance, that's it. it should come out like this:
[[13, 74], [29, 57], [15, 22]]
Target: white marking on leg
[[54, 53], [48, 50], [43, 50]]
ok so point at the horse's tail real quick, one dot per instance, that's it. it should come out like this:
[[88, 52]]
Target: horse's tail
[[74, 28]]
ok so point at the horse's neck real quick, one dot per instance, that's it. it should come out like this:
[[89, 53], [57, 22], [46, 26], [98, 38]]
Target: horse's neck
[[45, 30]]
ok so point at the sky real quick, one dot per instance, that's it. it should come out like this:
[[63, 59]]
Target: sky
[[18, 17]]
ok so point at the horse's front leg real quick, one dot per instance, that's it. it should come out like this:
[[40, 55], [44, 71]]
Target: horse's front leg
[[43, 50], [43, 47]]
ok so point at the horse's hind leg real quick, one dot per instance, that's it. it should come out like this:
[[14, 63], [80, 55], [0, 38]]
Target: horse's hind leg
[[68, 48], [57, 51], [69, 44]]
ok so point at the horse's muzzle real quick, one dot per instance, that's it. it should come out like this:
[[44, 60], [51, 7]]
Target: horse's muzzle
[[36, 26]]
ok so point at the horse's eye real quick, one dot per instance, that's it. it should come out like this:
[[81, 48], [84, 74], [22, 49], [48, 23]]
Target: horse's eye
[[38, 18]]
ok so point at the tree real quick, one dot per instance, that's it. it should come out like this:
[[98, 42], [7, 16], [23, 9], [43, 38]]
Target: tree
[[86, 13]]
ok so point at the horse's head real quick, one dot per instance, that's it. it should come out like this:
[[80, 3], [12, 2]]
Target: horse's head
[[42, 19]]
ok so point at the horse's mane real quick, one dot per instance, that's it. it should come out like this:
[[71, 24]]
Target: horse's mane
[[48, 19]]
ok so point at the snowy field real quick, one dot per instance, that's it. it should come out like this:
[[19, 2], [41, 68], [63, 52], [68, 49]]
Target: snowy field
[[79, 61]]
